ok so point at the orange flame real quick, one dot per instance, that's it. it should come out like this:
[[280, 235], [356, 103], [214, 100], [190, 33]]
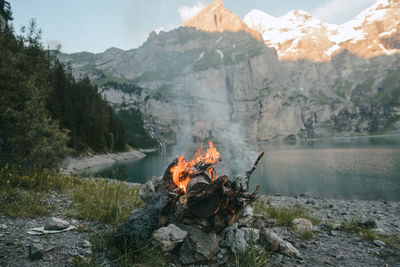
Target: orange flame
[[182, 170]]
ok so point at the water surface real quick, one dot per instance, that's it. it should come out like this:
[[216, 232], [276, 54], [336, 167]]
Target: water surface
[[361, 168]]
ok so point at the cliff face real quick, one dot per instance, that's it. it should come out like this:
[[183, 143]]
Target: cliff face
[[229, 85]]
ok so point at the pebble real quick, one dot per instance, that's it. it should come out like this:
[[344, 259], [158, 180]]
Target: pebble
[[35, 251], [379, 243]]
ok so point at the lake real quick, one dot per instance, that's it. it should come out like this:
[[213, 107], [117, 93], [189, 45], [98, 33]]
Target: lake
[[348, 168]]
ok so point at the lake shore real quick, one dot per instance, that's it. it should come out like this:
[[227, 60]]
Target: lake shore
[[335, 247], [76, 165]]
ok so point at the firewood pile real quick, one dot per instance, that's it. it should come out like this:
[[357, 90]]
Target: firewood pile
[[190, 205]]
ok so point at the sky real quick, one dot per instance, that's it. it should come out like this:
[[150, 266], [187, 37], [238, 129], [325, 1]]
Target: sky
[[96, 25]]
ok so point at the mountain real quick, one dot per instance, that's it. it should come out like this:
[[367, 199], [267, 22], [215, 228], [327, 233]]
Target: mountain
[[217, 18], [203, 81], [299, 35]]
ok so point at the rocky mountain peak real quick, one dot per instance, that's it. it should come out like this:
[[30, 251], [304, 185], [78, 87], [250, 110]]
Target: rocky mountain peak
[[299, 35], [217, 18]]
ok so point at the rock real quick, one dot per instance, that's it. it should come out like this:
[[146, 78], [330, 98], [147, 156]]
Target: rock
[[237, 239], [198, 246], [302, 225], [246, 216], [379, 231], [379, 243], [3, 226], [251, 234], [167, 238], [272, 242], [368, 224], [333, 233], [35, 251], [56, 224], [337, 226], [86, 244], [260, 222], [147, 191]]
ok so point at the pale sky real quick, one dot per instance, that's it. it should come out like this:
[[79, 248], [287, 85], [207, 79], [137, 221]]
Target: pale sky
[[96, 25]]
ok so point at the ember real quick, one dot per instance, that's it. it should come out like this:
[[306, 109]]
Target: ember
[[182, 172]]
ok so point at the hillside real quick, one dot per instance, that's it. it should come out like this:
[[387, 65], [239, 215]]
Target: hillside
[[228, 85]]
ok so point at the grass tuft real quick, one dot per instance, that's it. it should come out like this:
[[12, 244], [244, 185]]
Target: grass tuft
[[105, 201], [283, 216], [367, 234]]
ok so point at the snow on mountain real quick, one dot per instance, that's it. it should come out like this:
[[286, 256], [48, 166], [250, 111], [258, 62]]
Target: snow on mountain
[[299, 35]]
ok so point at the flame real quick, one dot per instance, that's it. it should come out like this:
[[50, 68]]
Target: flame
[[183, 169]]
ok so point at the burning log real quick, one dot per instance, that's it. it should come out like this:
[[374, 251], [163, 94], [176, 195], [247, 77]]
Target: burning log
[[190, 192]]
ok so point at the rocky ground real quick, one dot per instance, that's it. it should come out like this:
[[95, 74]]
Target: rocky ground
[[327, 247], [76, 165], [330, 247]]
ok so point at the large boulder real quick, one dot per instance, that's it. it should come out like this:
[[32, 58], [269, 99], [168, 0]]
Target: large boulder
[[198, 246]]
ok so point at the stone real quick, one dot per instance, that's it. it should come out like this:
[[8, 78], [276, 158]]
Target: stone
[[272, 242], [56, 224], [246, 216], [379, 243], [236, 239], [337, 226], [147, 191], [86, 244], [35, 251], [260, 222], [198, 246], [3, 226], [378, 231], [251, 234], [333, 233], [302, 225], [167, 238]]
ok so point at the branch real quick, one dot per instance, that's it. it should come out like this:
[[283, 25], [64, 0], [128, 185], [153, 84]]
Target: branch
[[248, 173]]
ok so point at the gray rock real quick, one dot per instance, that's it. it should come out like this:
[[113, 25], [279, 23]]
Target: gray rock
[[272, 242], [260, 222], [54, 223], [167, 238], [86, 244], [379, 243], [251, 234], [198, 246], [379, 231], [3, 226], [337, 226], [147, 191], [35, 251], [246, 216], [302, 225]]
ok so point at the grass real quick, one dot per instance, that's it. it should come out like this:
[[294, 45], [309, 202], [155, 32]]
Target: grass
[[283, 216], [15, 202], [368, 234], [252, 256], [23, 192], [105, 201], [104, 247]]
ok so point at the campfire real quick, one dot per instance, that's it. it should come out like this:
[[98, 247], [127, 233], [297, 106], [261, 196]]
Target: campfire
[[190, 192]]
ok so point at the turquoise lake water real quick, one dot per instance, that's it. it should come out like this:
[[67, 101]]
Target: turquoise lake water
[[361, 168]]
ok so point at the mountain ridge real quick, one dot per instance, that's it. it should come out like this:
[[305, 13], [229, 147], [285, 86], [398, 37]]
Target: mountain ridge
[[298, 35]]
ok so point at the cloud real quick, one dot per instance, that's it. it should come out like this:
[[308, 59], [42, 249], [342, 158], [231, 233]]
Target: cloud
[[158, 30], [340, 11], [188, 12]]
